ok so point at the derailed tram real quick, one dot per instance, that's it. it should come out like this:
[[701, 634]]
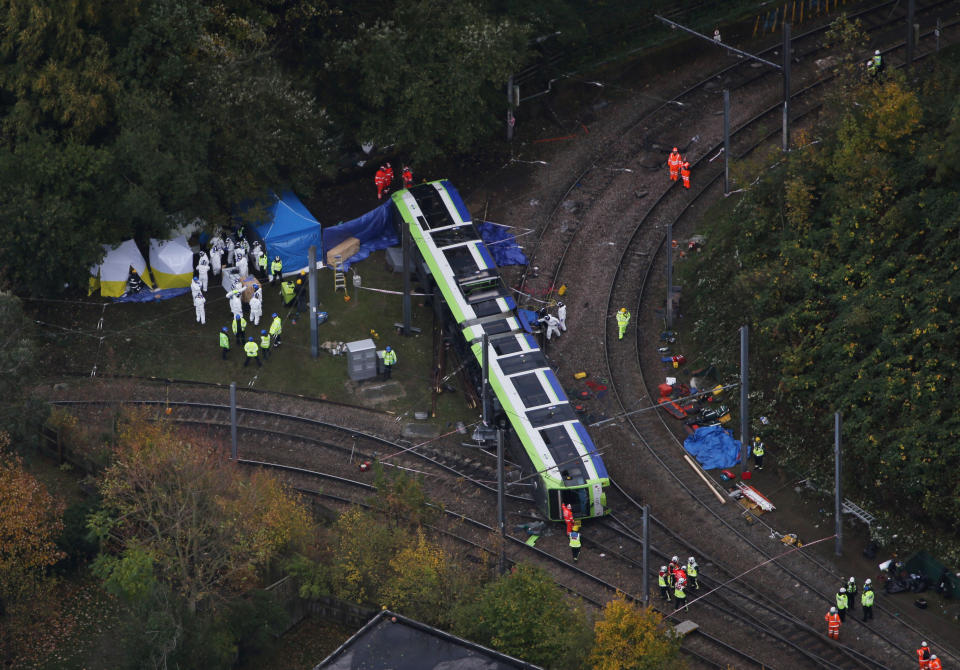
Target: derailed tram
[[548, 437]]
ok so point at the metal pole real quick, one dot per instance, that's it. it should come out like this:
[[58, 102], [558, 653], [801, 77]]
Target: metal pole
[[910, 12], [233, 420], [510, 108], [485, 389], [726, 141], [744, 402], [669, 320], [838, 550], [646, 555], [312, 259], [786, 86], [501, 521], [405, 236]]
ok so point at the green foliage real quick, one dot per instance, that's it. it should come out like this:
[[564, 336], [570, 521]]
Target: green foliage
[[401, 497], [843, 261], [430, 77], [21, 412], [313, 577], [129, 576], [525, 614]]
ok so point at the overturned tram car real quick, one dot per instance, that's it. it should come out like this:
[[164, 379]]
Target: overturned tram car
[[553, 443]]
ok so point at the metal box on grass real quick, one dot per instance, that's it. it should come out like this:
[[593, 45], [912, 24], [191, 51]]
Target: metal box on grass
[[362, 359]]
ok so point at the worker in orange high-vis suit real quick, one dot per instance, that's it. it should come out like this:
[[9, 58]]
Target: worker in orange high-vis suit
[[833, 623], [567, 516], [674, 164], [388, 172], [407, 176], [923, 656], [935, 663], [685, 174], [381, 181]]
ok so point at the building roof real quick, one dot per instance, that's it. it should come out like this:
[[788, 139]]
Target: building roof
[[393, 642]]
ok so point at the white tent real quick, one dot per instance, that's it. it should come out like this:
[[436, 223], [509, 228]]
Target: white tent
[[112, 273], [171, 262]]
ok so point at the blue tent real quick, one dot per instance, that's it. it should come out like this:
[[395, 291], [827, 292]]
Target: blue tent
[[289, 230], [374, 230]]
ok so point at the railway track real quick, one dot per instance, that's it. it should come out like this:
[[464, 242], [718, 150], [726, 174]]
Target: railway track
[[662, 443], [741, 77]]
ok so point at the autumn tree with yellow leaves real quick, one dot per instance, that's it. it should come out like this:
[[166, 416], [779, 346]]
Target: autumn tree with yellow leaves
[[629, 637]]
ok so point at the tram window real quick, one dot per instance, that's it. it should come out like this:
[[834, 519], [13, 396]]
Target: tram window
[[506, 345], [530, 390], [532, 360], [461, 261], [451, 236]]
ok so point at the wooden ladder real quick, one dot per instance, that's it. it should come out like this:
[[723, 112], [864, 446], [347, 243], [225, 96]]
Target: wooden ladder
[[339, 278]]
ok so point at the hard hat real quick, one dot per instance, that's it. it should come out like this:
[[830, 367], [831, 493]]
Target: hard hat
[[388, 347], [263, 332], [674, 149], [623, 309], [923, 644], [675, 559], [560, 303], [833, 610], [274, 315], [276, 258], [877, 52], [663, 568], [932, 656], [299, 282], [869, 581], [842, 590], [690, 560], [756, 439], [852, 579], [224, 329], [388, 164], [249, 339], [256, 287]]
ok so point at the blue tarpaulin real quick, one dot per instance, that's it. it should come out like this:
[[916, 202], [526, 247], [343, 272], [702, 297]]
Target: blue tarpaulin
[[289, 230], [501, 243], [150, 296], [528, 318], [374, 230], [713, 447]]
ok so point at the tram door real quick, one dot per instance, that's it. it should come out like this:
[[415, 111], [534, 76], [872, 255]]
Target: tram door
[[578, 499]]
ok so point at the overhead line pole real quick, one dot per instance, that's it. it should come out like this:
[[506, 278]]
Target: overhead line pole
[[785, 68]]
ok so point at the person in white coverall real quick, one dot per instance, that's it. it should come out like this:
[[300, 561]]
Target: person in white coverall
[[203, 270], [562, 316], [553, 325], [241, 261], [216, 250], [198, 302], [256, 308], [236, 307], [195, 287]]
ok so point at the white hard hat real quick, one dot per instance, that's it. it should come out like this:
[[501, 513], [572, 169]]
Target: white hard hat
[[675, 559], [932, 656], [842, 590], [877, 52], [923, 644], [662, 568], [852, 579], [869, 581], [690, 560], [833, 610]]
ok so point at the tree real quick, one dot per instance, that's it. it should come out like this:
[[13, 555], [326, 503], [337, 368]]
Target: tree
[[429, 78], [422, 582], [525, 614], [21, 413], [631, 638], [181, 507], [30, 522], [363, 547]]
